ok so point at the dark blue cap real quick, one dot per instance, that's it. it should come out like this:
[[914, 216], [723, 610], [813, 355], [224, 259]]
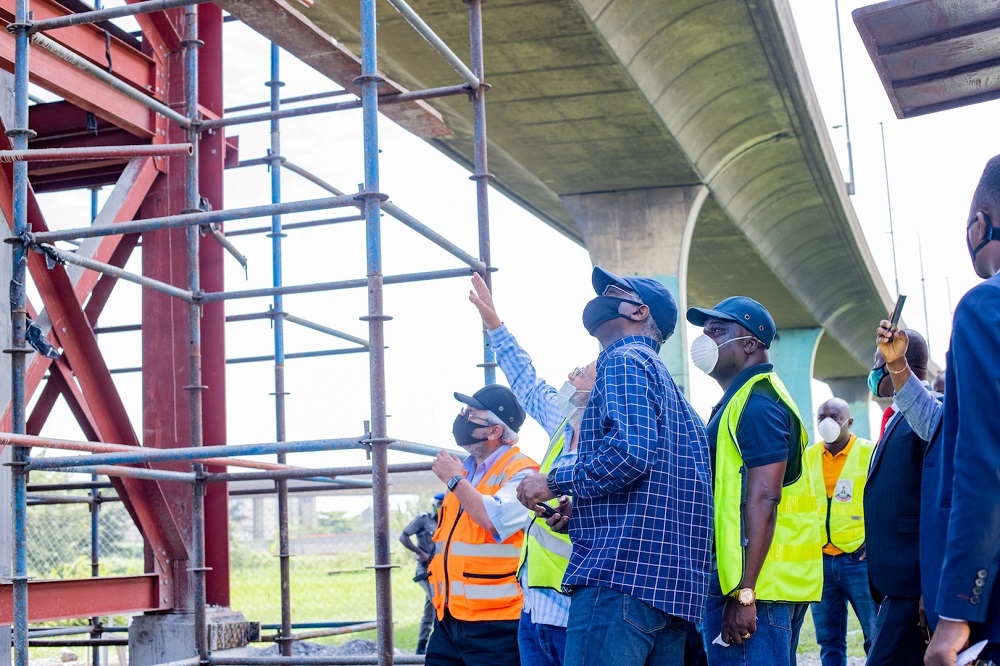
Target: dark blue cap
[[661, 304], [439, 497], [743, 310], [499, 400]]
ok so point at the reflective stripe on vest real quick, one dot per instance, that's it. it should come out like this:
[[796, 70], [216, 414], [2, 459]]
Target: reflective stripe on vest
[[843, 515], [793, 568], [546, 552], [473, 575]]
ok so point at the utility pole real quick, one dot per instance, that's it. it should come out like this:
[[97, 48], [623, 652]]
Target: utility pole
[[888, 200], [847, 123]]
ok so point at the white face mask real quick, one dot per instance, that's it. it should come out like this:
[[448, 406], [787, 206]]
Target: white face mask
[[571, 400], [705, 353], [829, 430]]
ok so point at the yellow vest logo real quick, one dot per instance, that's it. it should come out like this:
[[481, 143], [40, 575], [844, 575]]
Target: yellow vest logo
[[844, 490]]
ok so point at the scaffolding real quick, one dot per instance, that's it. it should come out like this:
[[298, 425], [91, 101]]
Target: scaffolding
[[181, 130]]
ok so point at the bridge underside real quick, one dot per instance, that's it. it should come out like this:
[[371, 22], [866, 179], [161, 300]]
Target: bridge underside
[[608, 95]]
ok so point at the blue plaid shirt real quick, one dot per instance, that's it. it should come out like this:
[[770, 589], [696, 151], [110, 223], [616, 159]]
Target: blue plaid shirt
[[641, 486], [543, 605]]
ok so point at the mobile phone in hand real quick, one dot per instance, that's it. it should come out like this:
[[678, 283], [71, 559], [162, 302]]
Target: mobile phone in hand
[[896, 312], [546, 509]]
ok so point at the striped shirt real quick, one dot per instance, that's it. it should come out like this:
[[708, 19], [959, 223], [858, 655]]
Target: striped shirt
[[543, 605], [642, 486]]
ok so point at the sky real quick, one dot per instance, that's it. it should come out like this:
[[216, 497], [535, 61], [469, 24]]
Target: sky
[[434, 341]]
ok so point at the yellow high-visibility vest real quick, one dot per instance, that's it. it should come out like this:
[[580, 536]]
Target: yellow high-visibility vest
[[793, 568], [546, 552], [843, 514]]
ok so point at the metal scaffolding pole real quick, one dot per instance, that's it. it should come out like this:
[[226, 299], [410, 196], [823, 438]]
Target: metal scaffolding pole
[[284, 639], [19, 135], [482, 176], [372, 198], [113, 459]]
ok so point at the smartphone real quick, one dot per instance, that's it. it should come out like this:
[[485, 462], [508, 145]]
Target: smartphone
[[546, 509], [896, 312]]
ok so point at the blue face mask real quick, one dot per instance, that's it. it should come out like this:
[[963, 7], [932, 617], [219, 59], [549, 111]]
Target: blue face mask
[[875, 378]]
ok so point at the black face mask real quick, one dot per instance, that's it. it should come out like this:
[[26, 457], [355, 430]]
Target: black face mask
[[600, 310], [992, 234], [462, 429]]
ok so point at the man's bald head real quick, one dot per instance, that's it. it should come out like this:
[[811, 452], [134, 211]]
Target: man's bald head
[[835, 407]]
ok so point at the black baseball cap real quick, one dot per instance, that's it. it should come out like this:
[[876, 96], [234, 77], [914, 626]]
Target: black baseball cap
[[743, 310], [499, 400], [661, 304]]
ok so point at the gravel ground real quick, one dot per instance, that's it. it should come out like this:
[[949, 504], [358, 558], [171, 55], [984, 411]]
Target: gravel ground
[[812, 659]]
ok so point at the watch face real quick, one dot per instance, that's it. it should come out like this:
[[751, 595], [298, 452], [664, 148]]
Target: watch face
[[746, 596]]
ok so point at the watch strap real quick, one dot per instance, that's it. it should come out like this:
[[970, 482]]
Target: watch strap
[[454, 481]]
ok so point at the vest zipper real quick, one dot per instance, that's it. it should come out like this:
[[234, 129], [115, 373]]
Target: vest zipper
[[447, 551], [829, 505]]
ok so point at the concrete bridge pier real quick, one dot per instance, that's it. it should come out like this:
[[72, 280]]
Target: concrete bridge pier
[[793, 353], [645, 232], [855, 391]]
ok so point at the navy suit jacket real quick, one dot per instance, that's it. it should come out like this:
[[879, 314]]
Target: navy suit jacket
[[892, 511], [960, 544]]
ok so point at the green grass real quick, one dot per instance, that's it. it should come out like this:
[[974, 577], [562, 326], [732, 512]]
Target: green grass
[[317, 595]]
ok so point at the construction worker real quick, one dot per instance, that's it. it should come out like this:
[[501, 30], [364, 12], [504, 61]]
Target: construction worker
[[839, 470], [478, 541], [767, 533]]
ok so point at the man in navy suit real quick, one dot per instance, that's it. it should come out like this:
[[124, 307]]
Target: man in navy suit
[[966, 529], [892, 506]]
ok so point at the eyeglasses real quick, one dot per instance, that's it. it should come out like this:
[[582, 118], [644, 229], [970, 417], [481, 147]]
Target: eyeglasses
[[472, 418], [580, 370], [617, 292]]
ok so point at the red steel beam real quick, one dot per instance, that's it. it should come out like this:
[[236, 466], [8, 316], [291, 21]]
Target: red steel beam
[[84, 597], [127, 63]]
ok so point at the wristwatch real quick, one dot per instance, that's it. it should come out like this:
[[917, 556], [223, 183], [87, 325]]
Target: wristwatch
[[453, 481], [744, 595]]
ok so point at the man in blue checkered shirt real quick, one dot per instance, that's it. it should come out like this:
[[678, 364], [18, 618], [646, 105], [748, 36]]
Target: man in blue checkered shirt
[[641, 525]]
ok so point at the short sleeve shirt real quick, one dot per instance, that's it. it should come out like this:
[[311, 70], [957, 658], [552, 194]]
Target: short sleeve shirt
[[765, 428], [422, 527]]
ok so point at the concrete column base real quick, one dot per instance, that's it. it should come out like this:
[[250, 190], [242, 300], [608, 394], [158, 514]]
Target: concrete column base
[[855, 391], [158, 639], [647, 233], [792, 354]]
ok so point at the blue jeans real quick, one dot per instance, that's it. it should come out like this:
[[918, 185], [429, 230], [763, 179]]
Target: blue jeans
[[540, 644], [609, 627], [845, 579], [772, 644]]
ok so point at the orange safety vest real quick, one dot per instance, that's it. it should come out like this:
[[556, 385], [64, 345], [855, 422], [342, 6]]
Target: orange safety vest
[[471, 574]]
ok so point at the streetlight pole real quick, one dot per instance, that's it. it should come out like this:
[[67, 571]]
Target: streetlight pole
[[843, 86], [888, 200], [923, 287]]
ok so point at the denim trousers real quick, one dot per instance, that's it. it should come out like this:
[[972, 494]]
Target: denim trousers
[[540, 644], [845, 579], [773, 643], [607, 627]]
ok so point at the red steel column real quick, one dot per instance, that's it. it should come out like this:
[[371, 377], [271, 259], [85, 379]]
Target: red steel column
[[213, 339]]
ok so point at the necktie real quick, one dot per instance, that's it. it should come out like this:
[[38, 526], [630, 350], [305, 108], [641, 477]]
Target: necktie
[[885, 420]]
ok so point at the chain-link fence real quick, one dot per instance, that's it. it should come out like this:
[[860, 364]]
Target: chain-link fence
[[331, 546]]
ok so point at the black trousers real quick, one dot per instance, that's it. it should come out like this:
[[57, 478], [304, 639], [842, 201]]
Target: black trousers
[[898, 639], [462, 643]]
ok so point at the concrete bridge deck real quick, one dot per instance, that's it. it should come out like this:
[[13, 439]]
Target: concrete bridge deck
[[616, 103]]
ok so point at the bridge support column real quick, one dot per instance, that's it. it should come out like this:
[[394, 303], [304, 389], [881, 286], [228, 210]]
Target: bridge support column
[[855, 391], [792, 354], [648, 233]]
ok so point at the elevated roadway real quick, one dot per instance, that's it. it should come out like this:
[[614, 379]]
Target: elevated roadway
[[680, 139]]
